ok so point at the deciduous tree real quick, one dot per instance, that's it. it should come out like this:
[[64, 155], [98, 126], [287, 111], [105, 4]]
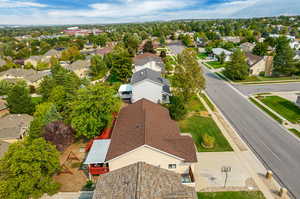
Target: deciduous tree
[[27, 168]]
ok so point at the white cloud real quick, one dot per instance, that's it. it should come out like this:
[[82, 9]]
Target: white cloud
[[20, 4], [125, 8], [122, 11]]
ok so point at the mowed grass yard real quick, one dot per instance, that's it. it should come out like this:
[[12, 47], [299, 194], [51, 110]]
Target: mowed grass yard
[[231, 195], [215, 64], [197, 125], [284, 107]]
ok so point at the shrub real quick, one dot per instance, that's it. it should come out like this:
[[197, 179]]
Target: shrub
[[208, 141]]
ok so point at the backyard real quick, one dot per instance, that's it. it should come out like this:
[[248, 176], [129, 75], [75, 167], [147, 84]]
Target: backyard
[[285, 108], [231, 195], [198, 122]]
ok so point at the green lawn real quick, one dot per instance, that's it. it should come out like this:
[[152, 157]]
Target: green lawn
[[197, 125], [258, 79], [215, 64], [202, 55], [284, 107], [36, 100], [231, 195], [295, 132], [275, 117]]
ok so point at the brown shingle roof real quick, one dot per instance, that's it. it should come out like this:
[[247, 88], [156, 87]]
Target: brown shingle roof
[[147, 123], [253, 59]]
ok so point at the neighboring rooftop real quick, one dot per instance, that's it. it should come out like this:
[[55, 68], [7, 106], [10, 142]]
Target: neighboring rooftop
[[147, 73], [79, 64], [2, 62], [147, 123], [2, 104], [144, 58], [219, 51], [26, 74], [12, 125], [142, 181], [53, 53], [104, 51], [252, 59]]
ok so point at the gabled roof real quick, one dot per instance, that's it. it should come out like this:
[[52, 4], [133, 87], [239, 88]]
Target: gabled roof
[[219, 51], [27, 74], [12, 124], [142, 181], [147, 123], [79, 64], [253, 59], [53, 52], [104, 51], [144, 58], [146, 73], [3, 148], [2, 62]]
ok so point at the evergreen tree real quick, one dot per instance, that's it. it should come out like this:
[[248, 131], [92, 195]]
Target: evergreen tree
[[284, 62], [237, 68]]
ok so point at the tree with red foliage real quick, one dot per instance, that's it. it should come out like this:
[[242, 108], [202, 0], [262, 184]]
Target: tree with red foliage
[[59, 134]]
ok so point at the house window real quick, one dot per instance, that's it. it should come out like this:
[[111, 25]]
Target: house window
[[172, 166]]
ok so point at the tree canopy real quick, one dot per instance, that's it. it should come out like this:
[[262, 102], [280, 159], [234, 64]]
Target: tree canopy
[[92, 108], [188, 78], [284, 62], [27, 168], [19, 100], [237, 68]]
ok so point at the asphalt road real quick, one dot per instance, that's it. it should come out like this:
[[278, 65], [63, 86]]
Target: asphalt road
[[176, 47], [252, 89], [275, 146]]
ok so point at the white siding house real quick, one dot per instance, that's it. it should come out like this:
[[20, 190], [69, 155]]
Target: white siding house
[[147, 89]]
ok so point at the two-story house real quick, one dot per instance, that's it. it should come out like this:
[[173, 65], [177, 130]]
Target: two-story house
[[149, 84]]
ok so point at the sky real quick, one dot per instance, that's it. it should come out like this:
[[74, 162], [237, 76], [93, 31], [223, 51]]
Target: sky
[[47, 12]]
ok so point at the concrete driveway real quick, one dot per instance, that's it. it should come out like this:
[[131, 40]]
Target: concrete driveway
[[209, 177]]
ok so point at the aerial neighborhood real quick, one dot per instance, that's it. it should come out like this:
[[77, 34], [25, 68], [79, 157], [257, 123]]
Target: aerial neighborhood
[[190, 109]]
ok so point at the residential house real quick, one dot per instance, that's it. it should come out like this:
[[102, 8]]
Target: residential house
[[259, 64], [52, 53], [104, 51], [13, 127], [148, 60], [247, 46], [144, 132], [30, 76], [149, 84], [3, 108], [200, 42], [142, 181], [141, 46], [295, 45], [297, 55], [80, 67], [231, 39], [218, 51], [34, 60]]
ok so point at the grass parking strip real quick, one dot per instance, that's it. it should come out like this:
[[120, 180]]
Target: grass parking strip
[[275, 117]]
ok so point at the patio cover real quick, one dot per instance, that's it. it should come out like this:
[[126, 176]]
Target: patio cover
[[125, 88], [98, 152]]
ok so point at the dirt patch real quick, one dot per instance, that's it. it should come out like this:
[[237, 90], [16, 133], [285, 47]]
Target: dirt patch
[[204, 114], [72, 178]]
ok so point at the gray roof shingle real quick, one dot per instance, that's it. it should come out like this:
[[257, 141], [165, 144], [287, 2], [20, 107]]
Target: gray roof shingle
[[142, 181], [11, 125]]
